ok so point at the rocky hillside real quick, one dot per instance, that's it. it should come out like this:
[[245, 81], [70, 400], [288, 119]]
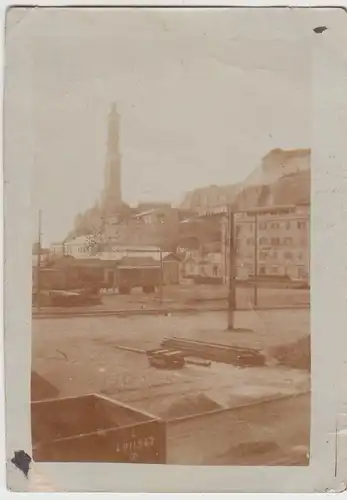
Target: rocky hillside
[[209, 197], [282, 178], [279, 163]]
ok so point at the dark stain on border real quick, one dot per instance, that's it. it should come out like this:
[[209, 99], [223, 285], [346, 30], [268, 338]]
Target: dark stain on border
[[22, 461], [320, 29]]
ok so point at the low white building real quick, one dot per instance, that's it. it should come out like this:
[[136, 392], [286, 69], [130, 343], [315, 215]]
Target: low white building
[[86, 247], [82, 247]]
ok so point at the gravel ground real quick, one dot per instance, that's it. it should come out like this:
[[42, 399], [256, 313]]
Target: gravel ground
[[78, 356]]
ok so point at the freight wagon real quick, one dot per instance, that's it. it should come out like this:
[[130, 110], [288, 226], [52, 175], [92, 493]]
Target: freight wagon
[[67, 286], [69, 278], [93, 428], [148, 277]]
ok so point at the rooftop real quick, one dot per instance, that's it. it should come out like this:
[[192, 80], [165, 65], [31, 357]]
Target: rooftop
[[134, 262], [147, 212]]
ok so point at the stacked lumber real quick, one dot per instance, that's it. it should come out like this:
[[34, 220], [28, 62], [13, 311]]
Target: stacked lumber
[[221, 353]]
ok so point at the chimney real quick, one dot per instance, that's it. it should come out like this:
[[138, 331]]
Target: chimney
[[112, 196]]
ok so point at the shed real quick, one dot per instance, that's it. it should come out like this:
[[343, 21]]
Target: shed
[[171, 269]]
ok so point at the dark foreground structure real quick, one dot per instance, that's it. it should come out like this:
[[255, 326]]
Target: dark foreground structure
[[93, 428]]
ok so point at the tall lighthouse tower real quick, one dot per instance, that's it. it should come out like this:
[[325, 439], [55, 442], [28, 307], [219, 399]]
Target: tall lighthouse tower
[[112, 193]]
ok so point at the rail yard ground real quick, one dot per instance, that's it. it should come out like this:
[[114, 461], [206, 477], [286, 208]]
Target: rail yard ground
[[81, 355]]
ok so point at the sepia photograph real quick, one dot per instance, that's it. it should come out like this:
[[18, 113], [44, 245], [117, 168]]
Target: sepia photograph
[[171, 283], [169, 219]]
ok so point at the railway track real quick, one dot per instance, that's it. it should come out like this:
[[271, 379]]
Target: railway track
[[68, 313]]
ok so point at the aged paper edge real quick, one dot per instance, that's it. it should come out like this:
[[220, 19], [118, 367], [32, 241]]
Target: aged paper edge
[[328, 315]]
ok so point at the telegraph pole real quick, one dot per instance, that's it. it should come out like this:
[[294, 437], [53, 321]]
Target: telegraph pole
[[232, 271], [225, 247], [63, 247], [161, 277], [255, 290], [38, 271]]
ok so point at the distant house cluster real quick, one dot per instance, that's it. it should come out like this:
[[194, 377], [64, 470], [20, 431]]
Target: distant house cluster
[[282, 248], [272, 223]]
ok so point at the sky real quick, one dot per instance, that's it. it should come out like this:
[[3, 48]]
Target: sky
[[202, 97]]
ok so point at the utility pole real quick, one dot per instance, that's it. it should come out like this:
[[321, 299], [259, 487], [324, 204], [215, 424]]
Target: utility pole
[[255, 290], [161, 277], [38, 271], [232, 271], [63, 247]]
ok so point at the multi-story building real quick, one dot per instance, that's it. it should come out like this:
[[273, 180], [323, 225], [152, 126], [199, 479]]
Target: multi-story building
[[271, 241]]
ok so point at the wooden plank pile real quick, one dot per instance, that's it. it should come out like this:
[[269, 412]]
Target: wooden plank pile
[[174, 359], [221, 353], [166, 358]]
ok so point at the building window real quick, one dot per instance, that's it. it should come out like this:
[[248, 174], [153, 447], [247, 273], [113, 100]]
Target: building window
[[262, 270], [288, 255], [262, 255], [301, 224], [262, 225], [275, 225], [288, 241], [300, 255], [250, 241], [275, 241], [274, 269], [263, 240], [288, 224]]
